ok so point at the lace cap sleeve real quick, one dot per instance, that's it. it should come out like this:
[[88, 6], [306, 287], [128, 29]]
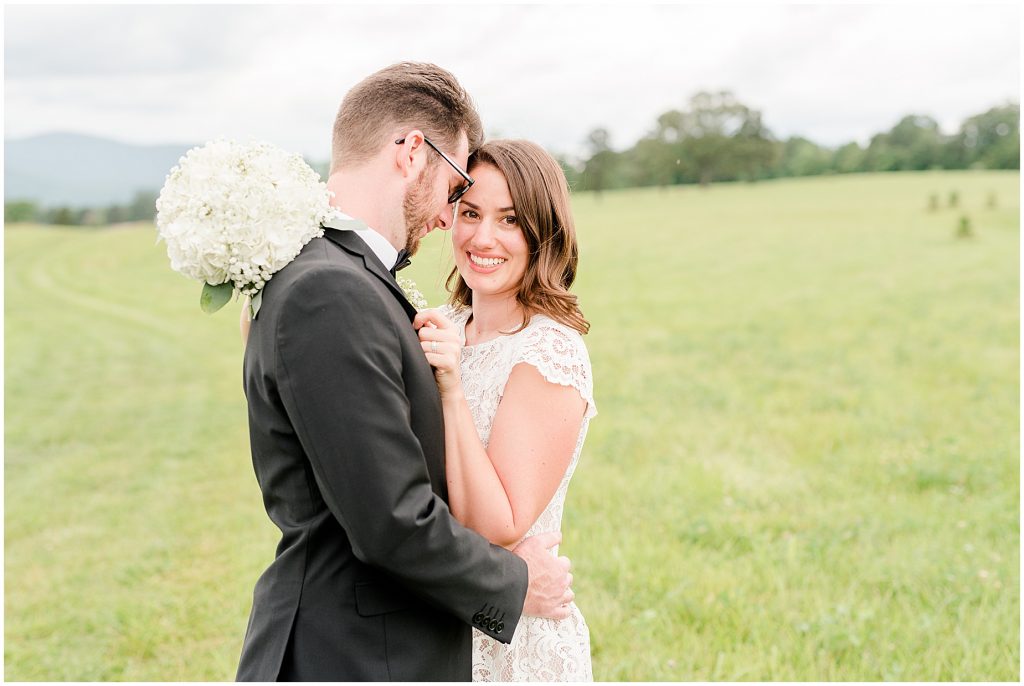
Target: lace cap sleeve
[[559, 354]]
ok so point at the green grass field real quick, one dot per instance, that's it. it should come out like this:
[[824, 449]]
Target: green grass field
[[805, 465]]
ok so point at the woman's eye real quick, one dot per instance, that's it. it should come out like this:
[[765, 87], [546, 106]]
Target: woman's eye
[[469, 214], [511, 221]]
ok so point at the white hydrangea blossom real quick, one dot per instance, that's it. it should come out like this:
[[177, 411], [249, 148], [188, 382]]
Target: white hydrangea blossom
[[239, 212]]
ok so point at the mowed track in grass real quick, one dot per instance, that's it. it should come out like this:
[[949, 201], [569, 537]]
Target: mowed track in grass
[[805, 464]]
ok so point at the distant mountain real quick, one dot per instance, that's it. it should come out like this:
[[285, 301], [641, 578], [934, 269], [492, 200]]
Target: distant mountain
[[78, 170]]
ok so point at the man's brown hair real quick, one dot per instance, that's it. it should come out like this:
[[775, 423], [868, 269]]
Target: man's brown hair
[[405, 95], [540, 195]]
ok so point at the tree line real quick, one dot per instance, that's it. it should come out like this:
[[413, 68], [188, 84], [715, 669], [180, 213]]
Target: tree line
[[718, 138], [142, 207], [715, 138]]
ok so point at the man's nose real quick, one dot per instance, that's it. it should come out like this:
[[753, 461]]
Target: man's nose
[[446, 219]]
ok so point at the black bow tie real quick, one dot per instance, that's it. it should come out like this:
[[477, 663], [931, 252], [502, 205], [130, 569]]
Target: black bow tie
[[402, 262]]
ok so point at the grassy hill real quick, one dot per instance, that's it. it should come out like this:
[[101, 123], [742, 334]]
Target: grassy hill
[[804, 467]]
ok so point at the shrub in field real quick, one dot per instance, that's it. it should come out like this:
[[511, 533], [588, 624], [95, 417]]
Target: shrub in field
[[964, 229]]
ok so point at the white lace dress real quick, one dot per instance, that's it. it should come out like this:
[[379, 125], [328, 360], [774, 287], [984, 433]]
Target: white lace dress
[[541, 649]]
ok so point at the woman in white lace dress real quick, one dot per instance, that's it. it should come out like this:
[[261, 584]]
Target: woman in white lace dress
[[515, 382]]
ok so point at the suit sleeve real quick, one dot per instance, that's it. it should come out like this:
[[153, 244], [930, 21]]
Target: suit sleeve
[[341, 383]]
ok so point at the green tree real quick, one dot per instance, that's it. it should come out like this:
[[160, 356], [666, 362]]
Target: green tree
[[654, 162], [64, 216], [117, 214], [992, 139], [91, 216], [598, 170], [848, 158], [143, 206], [914, 143], [20, 211], [918, 140], [754, 150], [879, 155], [571, 171], [801, 157], [721, 138]]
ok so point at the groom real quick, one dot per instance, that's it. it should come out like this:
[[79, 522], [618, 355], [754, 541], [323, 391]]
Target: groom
[[373, 579]]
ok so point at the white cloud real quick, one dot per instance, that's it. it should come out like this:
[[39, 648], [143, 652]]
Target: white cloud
[[188, 73]]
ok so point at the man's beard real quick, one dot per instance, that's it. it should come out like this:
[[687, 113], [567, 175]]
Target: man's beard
[[416, 208]]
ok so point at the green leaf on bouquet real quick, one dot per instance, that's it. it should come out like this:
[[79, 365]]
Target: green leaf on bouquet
[[254, 304], [215, 297]]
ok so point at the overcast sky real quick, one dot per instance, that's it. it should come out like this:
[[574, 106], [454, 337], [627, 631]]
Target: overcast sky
[[187, 73]]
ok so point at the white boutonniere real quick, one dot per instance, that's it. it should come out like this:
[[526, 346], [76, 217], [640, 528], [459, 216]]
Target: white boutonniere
[[412, 294]]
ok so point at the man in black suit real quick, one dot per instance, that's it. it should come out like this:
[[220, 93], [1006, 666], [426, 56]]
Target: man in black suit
[[373, 578]]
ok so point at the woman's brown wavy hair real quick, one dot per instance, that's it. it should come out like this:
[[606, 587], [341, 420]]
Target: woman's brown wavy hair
[[540, 195]]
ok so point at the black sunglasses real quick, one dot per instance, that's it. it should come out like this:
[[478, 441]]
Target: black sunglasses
[[461, 190]]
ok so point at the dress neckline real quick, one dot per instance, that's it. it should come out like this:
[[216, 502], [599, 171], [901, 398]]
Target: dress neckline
[[499, 337]]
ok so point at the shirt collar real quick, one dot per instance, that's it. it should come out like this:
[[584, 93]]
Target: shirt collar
[[381, 247]]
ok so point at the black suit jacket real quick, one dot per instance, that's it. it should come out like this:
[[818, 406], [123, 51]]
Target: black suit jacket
[[373, 579]]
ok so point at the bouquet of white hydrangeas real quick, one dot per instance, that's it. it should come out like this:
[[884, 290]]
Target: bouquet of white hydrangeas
[[233, 215]]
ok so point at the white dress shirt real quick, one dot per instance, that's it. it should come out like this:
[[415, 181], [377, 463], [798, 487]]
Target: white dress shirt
[[381, 247]]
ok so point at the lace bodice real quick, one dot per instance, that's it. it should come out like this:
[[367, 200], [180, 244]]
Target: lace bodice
[[542, 649]]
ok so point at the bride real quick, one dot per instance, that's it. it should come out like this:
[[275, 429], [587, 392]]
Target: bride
[[515, 382]]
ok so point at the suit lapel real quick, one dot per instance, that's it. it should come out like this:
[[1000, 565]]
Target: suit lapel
[[352, 243]]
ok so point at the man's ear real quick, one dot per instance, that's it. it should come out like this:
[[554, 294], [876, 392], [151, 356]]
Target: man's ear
[[410, 154]]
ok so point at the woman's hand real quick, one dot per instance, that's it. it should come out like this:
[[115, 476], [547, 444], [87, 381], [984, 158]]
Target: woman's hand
[[244, 322], [443, 347]]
